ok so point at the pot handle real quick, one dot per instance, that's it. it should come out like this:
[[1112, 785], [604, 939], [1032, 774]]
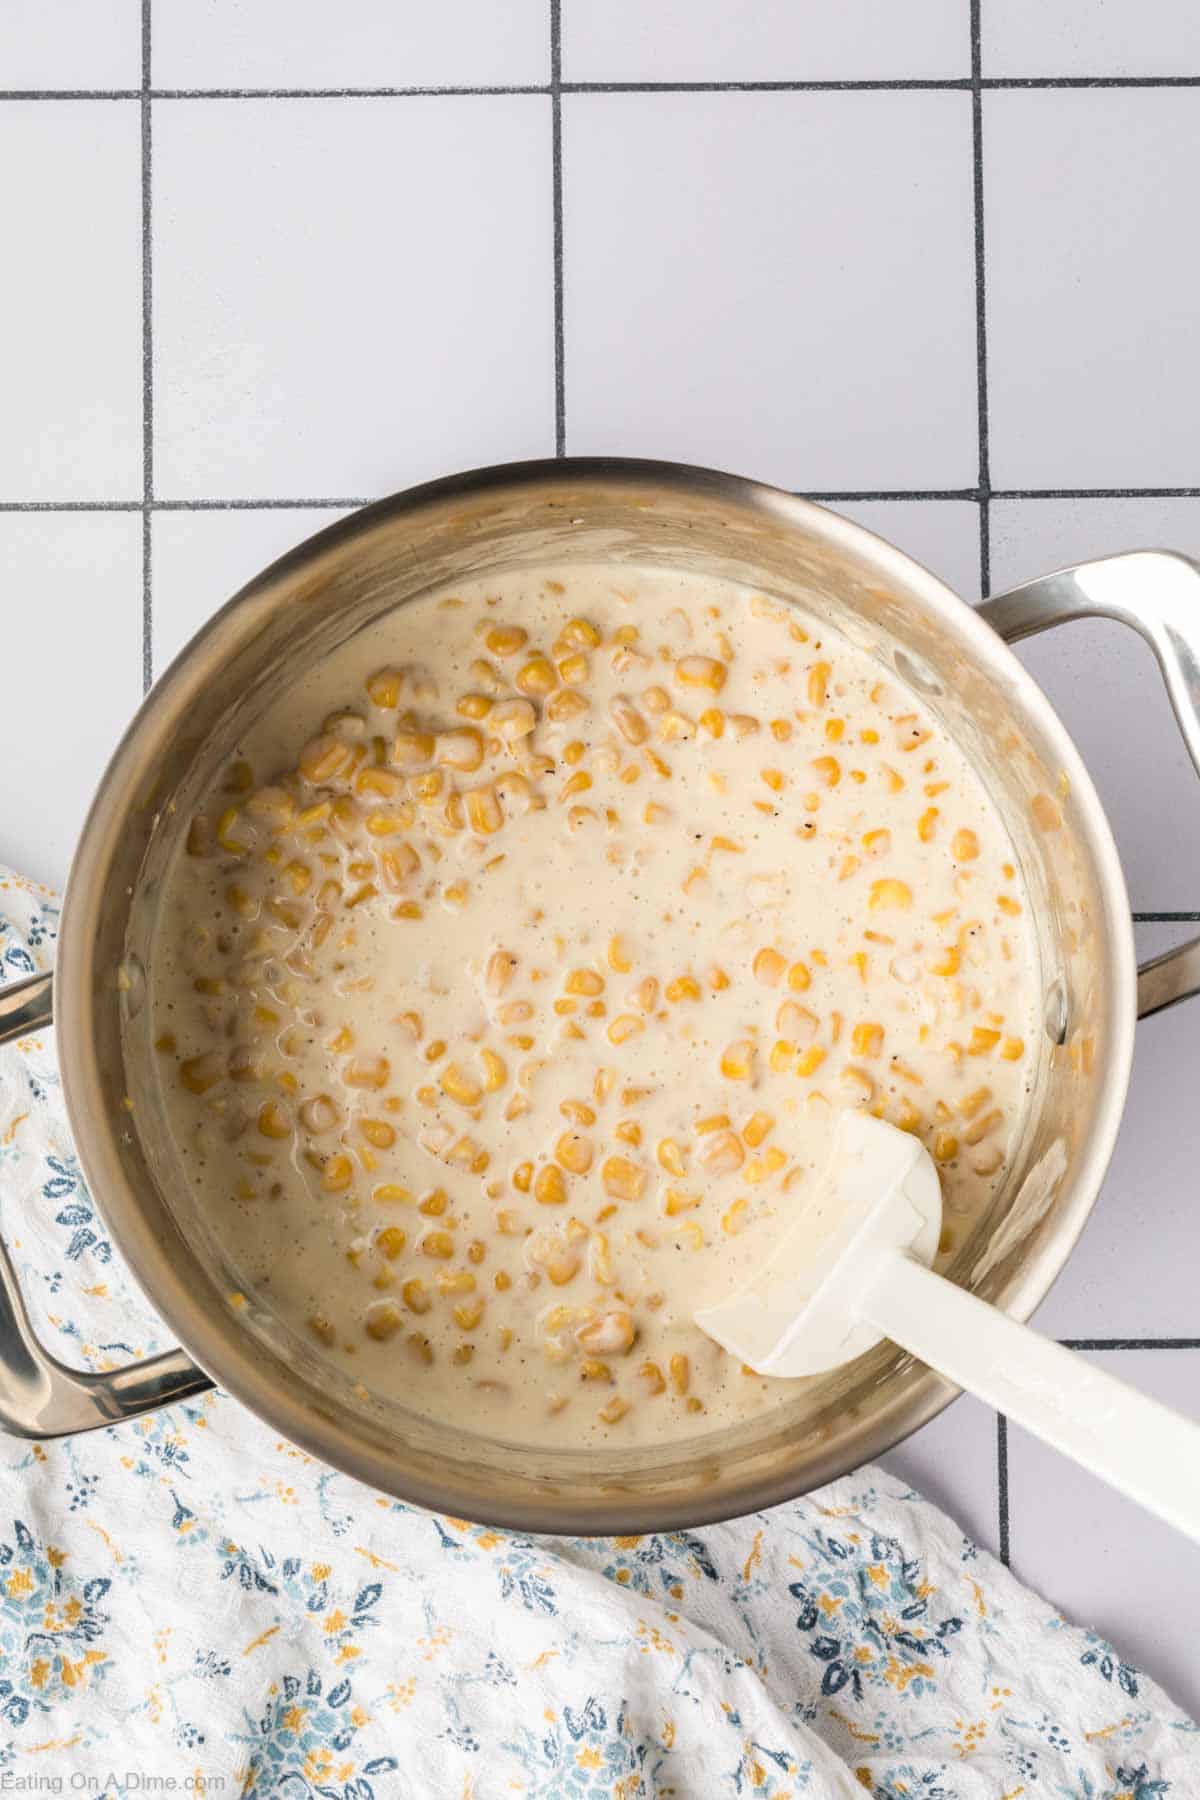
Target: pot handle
[[39, 1396], [1157, 592]]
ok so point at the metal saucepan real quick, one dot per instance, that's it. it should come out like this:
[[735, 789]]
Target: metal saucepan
[[655, 514]]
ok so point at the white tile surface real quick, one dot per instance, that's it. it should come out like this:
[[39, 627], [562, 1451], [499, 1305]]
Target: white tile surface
[[70, 44], [1103, 1561], [70, 300], [201, 559], [1091, 37], [75, 583], [942, 534], [775, 40], [779, 284], [1105, 685], [1133, 1272], [953, 1462], [1091, 276], [353, 295], [358, 43], [322, 332]]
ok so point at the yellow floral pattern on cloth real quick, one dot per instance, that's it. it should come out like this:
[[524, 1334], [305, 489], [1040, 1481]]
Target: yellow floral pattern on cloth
[[188, 1599]]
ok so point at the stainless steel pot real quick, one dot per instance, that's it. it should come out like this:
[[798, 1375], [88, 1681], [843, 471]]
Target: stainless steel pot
[[638, 513]]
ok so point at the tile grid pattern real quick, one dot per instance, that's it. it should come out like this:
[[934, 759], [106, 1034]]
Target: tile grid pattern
[[982, 493], [147, 355]]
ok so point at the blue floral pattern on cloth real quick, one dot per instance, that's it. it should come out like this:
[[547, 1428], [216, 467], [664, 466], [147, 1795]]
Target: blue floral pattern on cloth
[[189, 1599]]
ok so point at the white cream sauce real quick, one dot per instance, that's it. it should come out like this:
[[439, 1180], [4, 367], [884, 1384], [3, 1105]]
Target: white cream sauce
[[490, 1093]]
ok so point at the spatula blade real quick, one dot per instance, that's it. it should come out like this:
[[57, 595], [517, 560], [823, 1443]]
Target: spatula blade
[[880, 1194]]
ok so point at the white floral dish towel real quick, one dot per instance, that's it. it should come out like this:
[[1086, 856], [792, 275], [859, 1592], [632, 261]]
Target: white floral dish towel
[[190, 1605]]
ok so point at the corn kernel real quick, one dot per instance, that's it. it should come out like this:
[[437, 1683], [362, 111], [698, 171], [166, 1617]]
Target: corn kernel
[[390, 1193], [867, 1039], [810, 1060], [700, 671], [982, 1127], [411, 748], [622, 1179], [734, 1217], [769, 967], [273, 1121], [390, 1241], [888, 894], [671, 1156], [550, 1189], [714, 1122], [461, 749], [983, 1039], [757, 1127], [581, 634], [761, 1168], [199, 1073], [416, 1296], [537, 676], [723, 1153], [683, 987], [964, 846], [737, 1061], [578, 783], [505, 640], [384, 688], [612, 1333], [574, 1152], [460, 1086], [651, 1378], [367, 1072], [382, 1321]]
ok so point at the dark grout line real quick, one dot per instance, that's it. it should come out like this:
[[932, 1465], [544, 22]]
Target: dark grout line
[[69, 506], [863, 86], [560, 358], [1130, 1343], [344, 504], [1000, 83], [1165, 918], [867, 85], [70, 93], [347, 93], [1113, 493], [1002, 1486], [825, 496], [832, 494], [981, 372], [147, 361]]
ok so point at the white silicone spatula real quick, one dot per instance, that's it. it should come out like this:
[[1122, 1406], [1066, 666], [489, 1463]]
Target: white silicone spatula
[[854, 1270]]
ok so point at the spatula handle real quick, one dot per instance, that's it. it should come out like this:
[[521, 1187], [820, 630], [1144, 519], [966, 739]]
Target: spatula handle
[[1138, 1445]]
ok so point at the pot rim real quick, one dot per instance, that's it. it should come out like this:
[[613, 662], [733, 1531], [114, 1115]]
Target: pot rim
[[229, 1355]]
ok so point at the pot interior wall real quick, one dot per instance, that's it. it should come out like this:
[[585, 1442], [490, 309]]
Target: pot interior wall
[[324, 592]]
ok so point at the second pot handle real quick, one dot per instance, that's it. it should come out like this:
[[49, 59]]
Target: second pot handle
[[1157, 592], [41, 1397]]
